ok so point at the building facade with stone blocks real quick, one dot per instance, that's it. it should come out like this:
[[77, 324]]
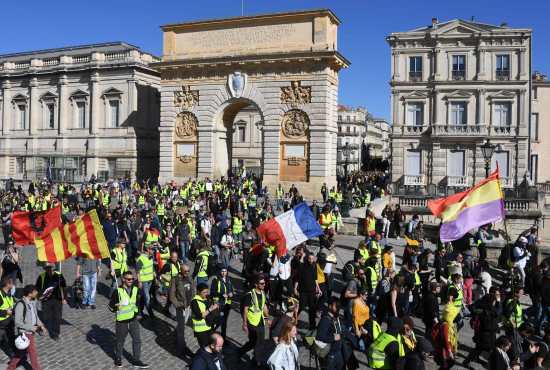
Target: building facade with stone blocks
[[74, 112], [351, 130], [540, 130], [455, 85], [283, 65], [378, 138]]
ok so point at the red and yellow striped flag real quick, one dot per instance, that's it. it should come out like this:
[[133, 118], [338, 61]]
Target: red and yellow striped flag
[[82, 238]]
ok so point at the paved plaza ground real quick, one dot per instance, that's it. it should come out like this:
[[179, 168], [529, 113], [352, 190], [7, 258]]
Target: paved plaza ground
[[87, 336]]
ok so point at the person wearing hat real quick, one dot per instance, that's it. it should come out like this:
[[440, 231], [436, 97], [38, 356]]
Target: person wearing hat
[[221, 292], [51, 286]]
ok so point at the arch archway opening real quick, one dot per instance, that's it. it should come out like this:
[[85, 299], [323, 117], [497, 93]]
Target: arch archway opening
[[239, 139]]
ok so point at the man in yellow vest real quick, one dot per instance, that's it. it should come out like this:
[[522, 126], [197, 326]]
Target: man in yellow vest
[[119, 264], [6, 315], [326, 218], [201, 266], [200, 309], [168, 272], [161, 210], [124, 302], [387, 351], [151, 236], [254, 312], [279, 195], [146, 275], [237, 229], [513, 312]]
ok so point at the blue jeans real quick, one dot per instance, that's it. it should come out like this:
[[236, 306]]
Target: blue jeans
[[543, 317], [146, 292], [89, 283], [184, 250]]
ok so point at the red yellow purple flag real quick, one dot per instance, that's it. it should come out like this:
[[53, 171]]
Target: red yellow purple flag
[[82, 238], [464, 211]]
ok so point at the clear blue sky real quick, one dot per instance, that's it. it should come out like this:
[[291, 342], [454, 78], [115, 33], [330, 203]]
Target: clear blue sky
[[33, 24]]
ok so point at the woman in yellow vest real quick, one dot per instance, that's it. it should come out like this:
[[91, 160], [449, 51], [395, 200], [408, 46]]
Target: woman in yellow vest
[[200, 309], [118, 264]]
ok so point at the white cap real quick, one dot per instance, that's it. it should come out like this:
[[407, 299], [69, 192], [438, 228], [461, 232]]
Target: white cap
[[523, 239]]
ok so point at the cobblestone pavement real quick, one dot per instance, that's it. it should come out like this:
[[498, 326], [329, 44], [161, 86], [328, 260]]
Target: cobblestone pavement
[[87, 336]]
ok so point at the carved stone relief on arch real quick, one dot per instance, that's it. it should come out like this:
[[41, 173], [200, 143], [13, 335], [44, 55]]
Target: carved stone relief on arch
[[186, 125], [295, 124]]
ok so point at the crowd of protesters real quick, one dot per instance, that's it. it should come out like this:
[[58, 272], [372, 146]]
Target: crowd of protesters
[[176, 248]]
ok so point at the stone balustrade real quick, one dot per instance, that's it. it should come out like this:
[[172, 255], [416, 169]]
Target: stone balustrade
[[414, 180], [457, 181], [64, 60], [459, 130], [544, 187], [520, 205], [413, 202], [502, 131]]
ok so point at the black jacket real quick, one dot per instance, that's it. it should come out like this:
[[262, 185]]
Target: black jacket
[[431, 308], [204, 360]]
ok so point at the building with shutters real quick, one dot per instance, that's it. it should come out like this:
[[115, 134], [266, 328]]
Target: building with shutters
[[455, 85], [540, 130], [74, 112]]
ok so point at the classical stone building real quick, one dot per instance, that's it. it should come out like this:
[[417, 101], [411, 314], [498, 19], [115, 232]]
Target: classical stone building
[[72, 112], [247, 140], [284, 65], [540, 130], [351, 130], [378, 138], [455, 85]]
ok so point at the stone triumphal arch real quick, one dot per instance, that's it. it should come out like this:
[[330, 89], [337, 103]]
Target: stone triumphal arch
[[282, 68]]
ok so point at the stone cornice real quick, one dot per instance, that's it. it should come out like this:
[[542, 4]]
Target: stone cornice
[[253, 20], [333, 58]]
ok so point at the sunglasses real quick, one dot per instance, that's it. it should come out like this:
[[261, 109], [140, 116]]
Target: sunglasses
[[261, 283]]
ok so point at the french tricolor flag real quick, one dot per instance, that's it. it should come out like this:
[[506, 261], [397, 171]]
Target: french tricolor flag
[[290, 229]]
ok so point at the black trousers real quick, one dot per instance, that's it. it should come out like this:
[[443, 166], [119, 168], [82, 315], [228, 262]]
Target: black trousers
[[52, 311], [180, 330], [121, 331], [203, 338], [255, 333], [309, 300], [222, 322], [7, 336]]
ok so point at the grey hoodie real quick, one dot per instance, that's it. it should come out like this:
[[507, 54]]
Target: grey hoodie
[[26, 324]]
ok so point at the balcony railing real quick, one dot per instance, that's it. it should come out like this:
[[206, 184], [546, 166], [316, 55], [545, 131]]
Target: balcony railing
[[502, 131], [521, 205], [458, 75], [81, 59], [544, 187], [415, 76], [413, 202], [459, 130], [503, 74], [457, 181], [414, 180], [413, 129]]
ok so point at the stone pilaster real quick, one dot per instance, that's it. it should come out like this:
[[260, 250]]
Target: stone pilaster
[[6, 107], [62, 104], [94, 103], [34, 107]]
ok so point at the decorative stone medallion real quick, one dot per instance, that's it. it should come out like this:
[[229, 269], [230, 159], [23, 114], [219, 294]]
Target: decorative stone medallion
[[186, 125], [236, 83], [295, 124], [186, 98], [295, 94]]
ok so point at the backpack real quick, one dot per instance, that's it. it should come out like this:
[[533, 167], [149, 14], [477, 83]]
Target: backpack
[[320, 349]]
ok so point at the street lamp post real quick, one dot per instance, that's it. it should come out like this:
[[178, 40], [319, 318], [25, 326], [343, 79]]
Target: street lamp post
[[487, 150], [345, 206]]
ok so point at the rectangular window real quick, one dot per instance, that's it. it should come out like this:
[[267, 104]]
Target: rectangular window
[[348, 130], [80, 114], [19, 165], [414, 114], [339, 117], [502, 114], [21, 116], [503, 67], [114, 110], [534, 168], [459, 67], [413, 163], [535, 93], [50, 115], [502, 159], [458, 113], [415, 68], [348, 118], [242, 134], [534, 127], [456, 165]]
